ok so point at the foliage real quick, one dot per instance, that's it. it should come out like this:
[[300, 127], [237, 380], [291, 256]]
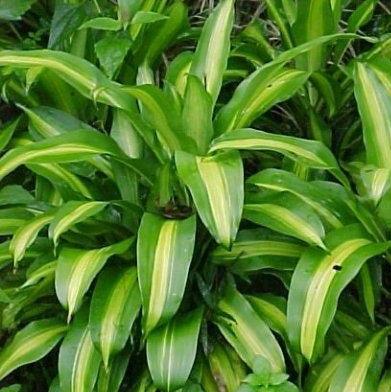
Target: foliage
[[195, 197]]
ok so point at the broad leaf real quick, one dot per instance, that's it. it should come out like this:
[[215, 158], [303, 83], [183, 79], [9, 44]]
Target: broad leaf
[[216, 184], [30, 344], [114, 306], [78, 362], [77, 268], [171, 350], [164, 252], [318, 281]]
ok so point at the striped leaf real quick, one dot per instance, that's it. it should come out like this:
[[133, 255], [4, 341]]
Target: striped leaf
[[314, 19], [79, 360], [110, 379], [330, 207], [310, 152], [216, 184], [171, 350], [79, 73], [226, 369], [360, 371], [318, 281], [247, 332], [372, 89], [257, 249], [164, 252], [322, 373], [30, 344], [43, 272], [287, 214], [72, 213], [70, 147], [114, 306], [27, 234], [272, 309], [256, 94], [77, 268], [211, 56]]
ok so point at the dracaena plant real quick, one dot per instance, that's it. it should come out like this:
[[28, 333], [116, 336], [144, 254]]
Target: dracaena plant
[[195, 198]]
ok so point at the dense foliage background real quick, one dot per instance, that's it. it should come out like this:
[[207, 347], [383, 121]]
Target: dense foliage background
[[195, 195]]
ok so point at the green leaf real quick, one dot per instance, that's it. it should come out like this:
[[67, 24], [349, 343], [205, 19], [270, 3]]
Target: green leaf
[[77, 268], [111, 52], [164, 252], [142, 17], [258, 249], [70, 147], [310, 152], [78, 361], [314, 19], [171, 350], [257, 93], [102, 23], [360, 371], [321, 374], [27, 234], [30, 344], [247, 332], [318, 281], [14, 9], [330, 207], [226, 367], [373, 94], [385, 383], [287, 214], [7, 132], [114, 307], [46, 270], [72, 213], [14, 194], [216, 184], [211, 56], [79, 73], [110, 380], [197, 113]]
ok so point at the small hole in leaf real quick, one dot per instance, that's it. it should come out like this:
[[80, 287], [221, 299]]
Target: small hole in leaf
[[337, 267]]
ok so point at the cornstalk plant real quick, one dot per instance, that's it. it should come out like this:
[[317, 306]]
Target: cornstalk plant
[[195, 206]]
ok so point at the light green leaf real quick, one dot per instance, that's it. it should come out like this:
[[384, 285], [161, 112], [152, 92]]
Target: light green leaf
[[318, 281], [72, 213], [310, 152], [164, 252], [27, 234], [142, 17], [30, 344], [329, 206], [321, 374], [211, 56], [110, 380], [197, 113], [256, 94], [258, 249], [360, 371], [14, 9], [372, 89], [216, 184], [287, 214], [77, 268], [70, 147], [114, 307], [171, 350], [102, 23], [247, 332], [47, 270], [78, 361], [314, 19]]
